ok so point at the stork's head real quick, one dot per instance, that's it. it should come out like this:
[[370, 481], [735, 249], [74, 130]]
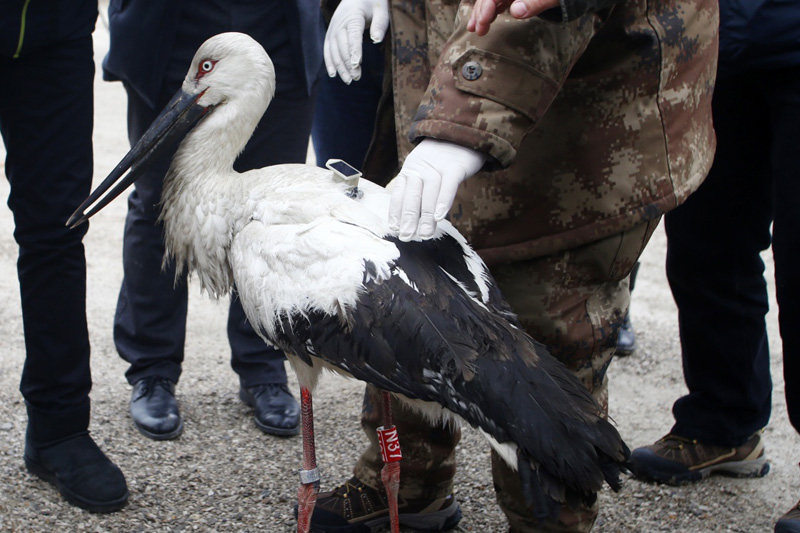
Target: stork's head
[[231, 68], [229, 85]]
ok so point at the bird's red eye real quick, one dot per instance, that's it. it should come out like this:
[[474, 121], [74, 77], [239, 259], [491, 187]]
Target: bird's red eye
[[206, 66]]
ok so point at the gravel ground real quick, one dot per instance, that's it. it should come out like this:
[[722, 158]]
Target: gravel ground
[[223, 474]]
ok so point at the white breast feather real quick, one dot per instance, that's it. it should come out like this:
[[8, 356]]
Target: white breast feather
[[281, 270]]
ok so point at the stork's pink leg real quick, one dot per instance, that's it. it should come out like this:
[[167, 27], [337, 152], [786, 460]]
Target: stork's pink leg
[[390, 452], [309, 475]]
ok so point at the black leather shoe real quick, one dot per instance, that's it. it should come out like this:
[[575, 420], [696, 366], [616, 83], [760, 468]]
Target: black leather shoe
[[80, 470], [154, 408], [626, 341], [276, 410]]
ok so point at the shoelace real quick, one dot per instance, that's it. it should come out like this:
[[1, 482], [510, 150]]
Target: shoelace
[[347, 486], [151, 383], [269, 388], [676, 442]]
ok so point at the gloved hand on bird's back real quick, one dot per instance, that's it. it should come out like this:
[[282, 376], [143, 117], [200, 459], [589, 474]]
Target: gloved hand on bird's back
[[424, 190]]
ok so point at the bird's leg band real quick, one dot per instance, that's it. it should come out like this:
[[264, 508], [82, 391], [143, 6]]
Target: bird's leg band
[[309, 475], [390, 444], [391, 455]]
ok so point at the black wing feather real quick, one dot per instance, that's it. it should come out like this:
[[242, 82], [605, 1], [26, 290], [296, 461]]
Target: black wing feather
[[434, 342]]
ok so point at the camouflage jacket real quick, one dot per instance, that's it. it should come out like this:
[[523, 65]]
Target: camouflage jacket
[[594, 126]]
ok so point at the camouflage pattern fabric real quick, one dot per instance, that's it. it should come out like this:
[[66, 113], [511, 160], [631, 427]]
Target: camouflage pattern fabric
[[595, 126]]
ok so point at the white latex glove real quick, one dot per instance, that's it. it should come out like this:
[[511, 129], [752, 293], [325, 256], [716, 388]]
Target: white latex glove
[[424, 190], [342, 49]]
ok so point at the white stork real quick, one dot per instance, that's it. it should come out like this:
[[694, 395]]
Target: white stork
[[321, 275]]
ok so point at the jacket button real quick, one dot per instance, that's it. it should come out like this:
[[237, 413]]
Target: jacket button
[[471, 70]]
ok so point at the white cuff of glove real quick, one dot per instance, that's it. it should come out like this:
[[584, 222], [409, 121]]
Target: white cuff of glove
[[342, 48], [424, 190]]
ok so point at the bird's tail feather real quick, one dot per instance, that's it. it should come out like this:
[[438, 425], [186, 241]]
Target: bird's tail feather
[[544, 507]]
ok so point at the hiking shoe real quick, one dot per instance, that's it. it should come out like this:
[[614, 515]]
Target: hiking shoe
[[357, 508], [676, 460], [790, 522]]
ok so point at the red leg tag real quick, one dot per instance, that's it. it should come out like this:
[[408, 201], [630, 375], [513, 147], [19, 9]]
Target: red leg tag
[[390, 444]]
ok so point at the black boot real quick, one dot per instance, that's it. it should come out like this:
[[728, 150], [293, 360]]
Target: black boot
[[59, 450]]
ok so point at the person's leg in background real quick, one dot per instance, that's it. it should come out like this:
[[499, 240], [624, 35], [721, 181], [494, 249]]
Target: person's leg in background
[[150, 320], [783, 90], [717, 279], [46, 119]]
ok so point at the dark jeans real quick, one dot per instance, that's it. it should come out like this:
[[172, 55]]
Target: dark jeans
[[714, 267], [345, 114], [46, 106], [150, 323]]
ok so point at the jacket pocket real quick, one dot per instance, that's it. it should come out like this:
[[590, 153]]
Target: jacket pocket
[[505, 81]]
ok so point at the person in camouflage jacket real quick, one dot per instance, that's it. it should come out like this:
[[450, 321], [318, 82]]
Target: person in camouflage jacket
[[592, 128]]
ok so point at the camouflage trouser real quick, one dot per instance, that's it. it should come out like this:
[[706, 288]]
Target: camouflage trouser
[[574, 302]]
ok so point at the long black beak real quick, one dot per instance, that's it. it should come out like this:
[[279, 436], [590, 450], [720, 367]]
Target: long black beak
[[162, 137]]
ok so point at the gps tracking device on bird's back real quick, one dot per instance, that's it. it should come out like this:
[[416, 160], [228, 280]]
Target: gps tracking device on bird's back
[[347, 173], [343, 170]]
